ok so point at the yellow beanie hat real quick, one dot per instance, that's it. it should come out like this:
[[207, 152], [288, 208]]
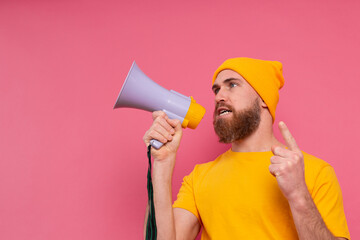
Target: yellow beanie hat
[[264, 76]]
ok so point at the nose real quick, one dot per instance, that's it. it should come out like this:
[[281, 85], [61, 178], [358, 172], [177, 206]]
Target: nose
[[221, 95]]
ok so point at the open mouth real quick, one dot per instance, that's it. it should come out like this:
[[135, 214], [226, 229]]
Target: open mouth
[[223, 111]]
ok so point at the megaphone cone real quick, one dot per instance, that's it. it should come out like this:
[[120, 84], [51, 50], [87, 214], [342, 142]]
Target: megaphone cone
[[139, 91]]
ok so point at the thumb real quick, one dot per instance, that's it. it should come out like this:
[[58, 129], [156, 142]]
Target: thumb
[[273, 147]]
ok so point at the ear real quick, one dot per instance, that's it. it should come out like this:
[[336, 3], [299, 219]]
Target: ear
[[263, 104]]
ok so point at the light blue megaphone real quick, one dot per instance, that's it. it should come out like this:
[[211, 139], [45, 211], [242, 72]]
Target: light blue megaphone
[[139, 91]]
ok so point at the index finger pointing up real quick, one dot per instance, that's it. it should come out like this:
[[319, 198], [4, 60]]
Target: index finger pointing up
[[289, 139]]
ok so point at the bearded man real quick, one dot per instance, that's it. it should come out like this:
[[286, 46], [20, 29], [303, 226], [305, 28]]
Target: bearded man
[[258, 189]]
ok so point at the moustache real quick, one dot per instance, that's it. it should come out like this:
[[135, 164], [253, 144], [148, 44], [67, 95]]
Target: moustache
[[221, 104]]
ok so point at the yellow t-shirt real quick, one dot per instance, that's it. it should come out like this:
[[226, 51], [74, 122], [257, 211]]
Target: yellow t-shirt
[[236, 197]]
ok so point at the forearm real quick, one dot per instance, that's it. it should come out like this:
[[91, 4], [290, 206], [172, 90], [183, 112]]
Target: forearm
[[161, 177], [308, 221], [169, 132]]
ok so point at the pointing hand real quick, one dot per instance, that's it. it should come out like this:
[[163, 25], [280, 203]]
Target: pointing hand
[[287, 165]]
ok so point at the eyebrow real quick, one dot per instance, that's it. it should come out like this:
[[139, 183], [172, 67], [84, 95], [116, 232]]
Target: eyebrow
[[225, 81]]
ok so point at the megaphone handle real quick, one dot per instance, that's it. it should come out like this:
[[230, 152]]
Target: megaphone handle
[[156, 144]]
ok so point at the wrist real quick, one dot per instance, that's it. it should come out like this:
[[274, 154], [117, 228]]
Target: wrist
[[162, 170], [300, 201], [163, 159]]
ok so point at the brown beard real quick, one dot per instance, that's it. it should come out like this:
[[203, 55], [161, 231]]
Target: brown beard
[[242, 124]]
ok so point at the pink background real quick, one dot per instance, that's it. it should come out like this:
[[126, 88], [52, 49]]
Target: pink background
[[71, 167]]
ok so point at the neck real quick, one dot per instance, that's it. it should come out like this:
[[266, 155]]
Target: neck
[[259, 141]]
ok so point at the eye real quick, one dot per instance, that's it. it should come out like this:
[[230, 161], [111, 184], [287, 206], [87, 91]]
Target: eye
[[232, 84], [216, 90]]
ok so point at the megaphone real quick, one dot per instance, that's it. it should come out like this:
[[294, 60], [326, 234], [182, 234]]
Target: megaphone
[[140, 92]]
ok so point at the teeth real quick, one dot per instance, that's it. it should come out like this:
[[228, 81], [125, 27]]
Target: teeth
[[224, 112]]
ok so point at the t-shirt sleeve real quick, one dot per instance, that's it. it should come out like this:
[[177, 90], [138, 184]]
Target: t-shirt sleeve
[[185, 198], [328, 199]]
